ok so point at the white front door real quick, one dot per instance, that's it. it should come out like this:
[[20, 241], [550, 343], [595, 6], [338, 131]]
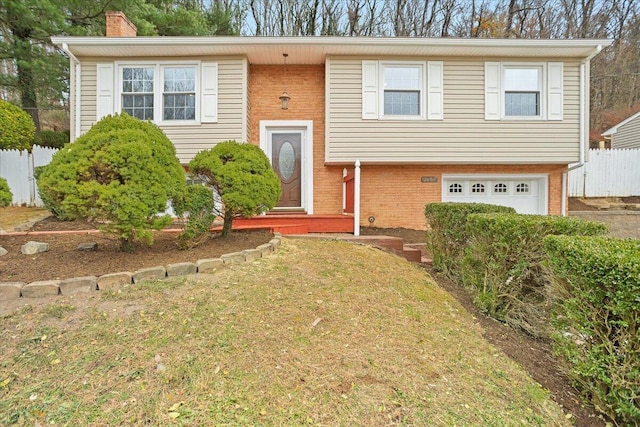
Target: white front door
[[289, 146]]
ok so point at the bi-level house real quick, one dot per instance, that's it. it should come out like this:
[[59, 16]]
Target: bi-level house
[[481, 120]]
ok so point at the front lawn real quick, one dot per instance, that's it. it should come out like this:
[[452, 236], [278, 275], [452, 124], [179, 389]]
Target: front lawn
[[320, 333]]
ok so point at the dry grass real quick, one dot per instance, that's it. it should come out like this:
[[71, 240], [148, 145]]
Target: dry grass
[[12, 216], [320, 333]]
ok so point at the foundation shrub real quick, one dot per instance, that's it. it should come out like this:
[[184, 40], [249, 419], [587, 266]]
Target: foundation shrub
[[242, 175], [123, 172], [447, 235], [196, 207], [17, 131], [596, 290], [6, 196], [503, 264]]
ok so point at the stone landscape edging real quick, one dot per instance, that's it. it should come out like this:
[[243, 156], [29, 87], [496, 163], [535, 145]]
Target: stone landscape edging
[[111, 281]]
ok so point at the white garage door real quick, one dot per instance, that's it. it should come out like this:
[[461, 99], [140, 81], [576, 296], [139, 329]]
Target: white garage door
[[525, 193]]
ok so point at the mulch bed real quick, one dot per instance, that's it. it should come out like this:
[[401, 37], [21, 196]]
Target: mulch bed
[[64, 260]]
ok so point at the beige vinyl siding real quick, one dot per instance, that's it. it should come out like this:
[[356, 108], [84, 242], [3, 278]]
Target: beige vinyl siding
[[627, 135], [462, 137], [188, 139]]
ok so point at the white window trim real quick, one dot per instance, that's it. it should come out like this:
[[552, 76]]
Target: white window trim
[[542, 86], [431, 90], [305, 127], [423, 89], [551, 91], [158, 84]]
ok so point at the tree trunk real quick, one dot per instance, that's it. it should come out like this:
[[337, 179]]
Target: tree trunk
[[228, 222]]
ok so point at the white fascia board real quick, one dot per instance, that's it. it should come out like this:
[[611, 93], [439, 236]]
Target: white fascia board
[[612, 130]]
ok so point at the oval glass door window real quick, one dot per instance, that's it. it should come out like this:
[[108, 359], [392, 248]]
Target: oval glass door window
[[286, 160]]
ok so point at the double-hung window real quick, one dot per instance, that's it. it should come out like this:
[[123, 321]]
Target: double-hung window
[[138, 92], [179, 93], [522, 91], [403, 90], [159, 92], [167, 93]]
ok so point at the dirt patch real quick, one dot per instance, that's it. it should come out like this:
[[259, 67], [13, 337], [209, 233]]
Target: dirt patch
[[64, 260], [408, 235], [576, 204]]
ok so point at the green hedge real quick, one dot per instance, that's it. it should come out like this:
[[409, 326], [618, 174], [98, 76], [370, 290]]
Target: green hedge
[[597, 289], [6, 197], [52, 139], [503, 264], [447, 235]]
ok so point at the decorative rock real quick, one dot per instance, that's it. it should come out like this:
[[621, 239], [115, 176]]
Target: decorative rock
[[150, 273], [10, 290], [113, 281], [265, 249], [31, 248], [181, 269], [44, 288], [275, 242], [78, 284], [233, 258], [3, 251], [88, 247], [208, 265], [252, 254]]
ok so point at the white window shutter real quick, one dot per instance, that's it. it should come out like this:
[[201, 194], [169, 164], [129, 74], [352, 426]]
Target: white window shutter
[[209, 89], [104, 90], [370, 89], [492, 96], [435, 90], [555, 102]]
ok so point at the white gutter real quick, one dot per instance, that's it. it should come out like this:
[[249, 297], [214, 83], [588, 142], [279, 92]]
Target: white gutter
[[76, 98], [583, 126]]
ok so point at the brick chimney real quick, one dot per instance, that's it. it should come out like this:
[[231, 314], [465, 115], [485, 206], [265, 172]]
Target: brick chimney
[[119, 26]]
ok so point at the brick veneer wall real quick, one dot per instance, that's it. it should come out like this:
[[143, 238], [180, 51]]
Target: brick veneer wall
[[305, 86], [394, 195], [119, 26]]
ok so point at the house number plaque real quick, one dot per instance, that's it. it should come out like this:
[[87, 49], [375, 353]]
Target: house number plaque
[[429, 179]]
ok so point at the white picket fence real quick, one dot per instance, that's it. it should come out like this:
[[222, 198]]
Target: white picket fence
[[608, 173], [17, 168]]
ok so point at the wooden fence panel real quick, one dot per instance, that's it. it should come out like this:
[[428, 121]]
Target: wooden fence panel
[[608, 173]]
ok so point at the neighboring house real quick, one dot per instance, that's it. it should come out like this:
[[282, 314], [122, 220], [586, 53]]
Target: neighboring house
[[625, 134], [483, 120]]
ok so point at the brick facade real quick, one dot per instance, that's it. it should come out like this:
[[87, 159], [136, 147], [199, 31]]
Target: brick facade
[[393, 194], [118, 25], [305, 86]]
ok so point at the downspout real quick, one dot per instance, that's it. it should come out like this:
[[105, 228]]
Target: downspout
[[583, 134], [77, 90]]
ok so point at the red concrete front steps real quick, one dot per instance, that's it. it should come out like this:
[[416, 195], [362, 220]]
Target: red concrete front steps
[[331, 226]]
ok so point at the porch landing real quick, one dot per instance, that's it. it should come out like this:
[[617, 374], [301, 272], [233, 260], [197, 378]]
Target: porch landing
[[286, 224]]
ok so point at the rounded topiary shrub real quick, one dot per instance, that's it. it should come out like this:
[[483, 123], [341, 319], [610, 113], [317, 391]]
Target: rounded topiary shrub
[[243, 177], [122, 172], [17, 131], [5, 193]]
